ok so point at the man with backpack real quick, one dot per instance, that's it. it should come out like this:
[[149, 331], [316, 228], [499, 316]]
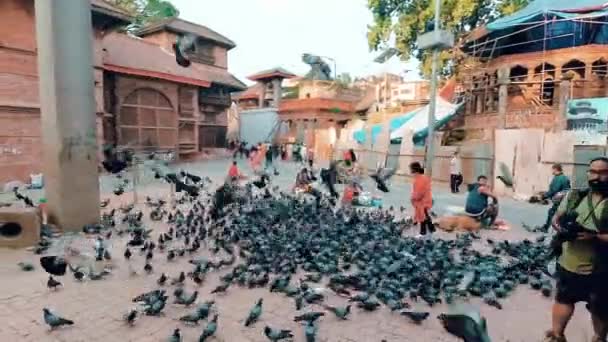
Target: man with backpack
[[582, 267]]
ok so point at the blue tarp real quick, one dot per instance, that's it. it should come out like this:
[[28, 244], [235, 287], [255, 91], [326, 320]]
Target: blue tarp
[[520, 32], [395, 123], [558, 8]]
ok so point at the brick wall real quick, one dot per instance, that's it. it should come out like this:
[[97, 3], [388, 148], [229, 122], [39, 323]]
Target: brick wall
[[512, 121], [17, 30], [20, 145]]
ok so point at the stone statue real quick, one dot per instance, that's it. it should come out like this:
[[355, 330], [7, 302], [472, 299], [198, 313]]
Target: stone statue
[[319, 70]]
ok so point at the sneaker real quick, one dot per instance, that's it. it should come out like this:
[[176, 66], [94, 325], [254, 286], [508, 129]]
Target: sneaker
[[550, 337]]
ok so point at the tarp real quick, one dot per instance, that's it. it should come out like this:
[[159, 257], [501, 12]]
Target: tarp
[[419, 122], [556, 8], [361, 137]]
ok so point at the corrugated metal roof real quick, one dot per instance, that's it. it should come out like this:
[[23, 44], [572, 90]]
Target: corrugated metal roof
[[133, 55], [182, 26]]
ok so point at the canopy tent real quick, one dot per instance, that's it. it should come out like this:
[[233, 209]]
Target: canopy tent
[[542, 25], [419, 122], [361, 137]]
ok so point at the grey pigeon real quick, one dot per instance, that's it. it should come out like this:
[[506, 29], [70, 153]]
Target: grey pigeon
[[53, 320]]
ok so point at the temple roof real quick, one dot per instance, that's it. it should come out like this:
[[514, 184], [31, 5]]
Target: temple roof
[[272, 73], [102, 7], [178, 25], [135, 56]]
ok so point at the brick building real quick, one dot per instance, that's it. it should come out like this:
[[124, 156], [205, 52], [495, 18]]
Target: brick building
[[144, 100], [522, 71]]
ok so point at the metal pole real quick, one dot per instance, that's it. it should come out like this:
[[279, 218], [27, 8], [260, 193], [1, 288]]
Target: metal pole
[[64, 39], [430, 153]]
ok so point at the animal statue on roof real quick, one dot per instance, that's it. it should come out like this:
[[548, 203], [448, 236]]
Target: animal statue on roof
[[319, 70]]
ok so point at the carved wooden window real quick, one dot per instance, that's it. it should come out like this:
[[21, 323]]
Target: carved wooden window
[[600, 68], [204, 52], [147, 120], [575, 66]]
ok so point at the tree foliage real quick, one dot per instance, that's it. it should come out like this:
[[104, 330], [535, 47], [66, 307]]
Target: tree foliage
[[146, 11], [399, 22]]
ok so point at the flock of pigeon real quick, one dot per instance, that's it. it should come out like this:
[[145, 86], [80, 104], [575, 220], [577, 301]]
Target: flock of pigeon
[[301, 249]]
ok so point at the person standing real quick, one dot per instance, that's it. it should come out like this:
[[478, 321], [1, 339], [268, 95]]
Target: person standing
[[269, 156], [422, 199], [455, 173], [582, 267], [557, 189], [311, 157]]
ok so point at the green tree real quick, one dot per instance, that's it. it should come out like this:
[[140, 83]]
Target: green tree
[[400, 21], [146, 12]]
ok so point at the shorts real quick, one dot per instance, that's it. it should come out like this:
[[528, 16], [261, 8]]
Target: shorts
[[573, 288]]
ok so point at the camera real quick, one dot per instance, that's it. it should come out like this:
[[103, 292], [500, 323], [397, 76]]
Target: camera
[[569, 230]]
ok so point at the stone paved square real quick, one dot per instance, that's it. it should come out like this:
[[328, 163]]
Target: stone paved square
[[97, 306]]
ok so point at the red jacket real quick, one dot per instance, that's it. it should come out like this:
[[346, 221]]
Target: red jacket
[[422, 197]]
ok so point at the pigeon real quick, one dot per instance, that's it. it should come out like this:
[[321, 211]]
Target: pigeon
[[53, 320], [26, 266], [130, 317], [310, 332], [156, 308], [161, 281], [341, 313], [204, 309], [179, 280], [181, 47], [254, 313], [209, 330], [78, 274], [465, 322], [28, 201], [191, 318], [54, 265], [277, 335], [416, 316], [189, 300], [221, 288], [52, 283], [175, 337], [127, 254], [381, 176], [309, 316]]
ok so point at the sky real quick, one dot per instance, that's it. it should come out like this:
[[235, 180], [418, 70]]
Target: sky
[[271, 33]]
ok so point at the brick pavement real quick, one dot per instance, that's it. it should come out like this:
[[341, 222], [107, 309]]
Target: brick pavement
[[97, 306]]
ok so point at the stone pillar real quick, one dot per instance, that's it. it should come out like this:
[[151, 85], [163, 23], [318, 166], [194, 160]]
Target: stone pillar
[[262, 96], [67, 103], [478, 103], [561, 122], [278, 91], [503, 96]]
